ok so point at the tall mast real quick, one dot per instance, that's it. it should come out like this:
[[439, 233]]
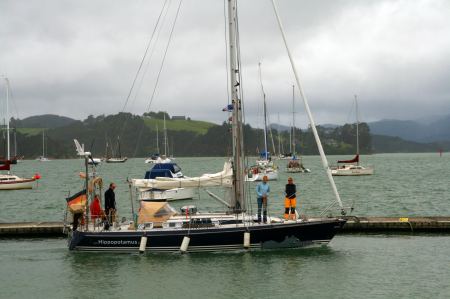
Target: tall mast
[[43, 144], [15, 143], [357, 127], [238, 193], [264, 112], [118, 144], [157, 140], [8, 155], [165, 136], [279, 139], [293, 120]]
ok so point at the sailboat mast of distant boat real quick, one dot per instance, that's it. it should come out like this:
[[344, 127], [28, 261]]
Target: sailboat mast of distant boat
[[293, 121], [157, 140], [357, 128], [8, 155], [165, 136], [265, 113]]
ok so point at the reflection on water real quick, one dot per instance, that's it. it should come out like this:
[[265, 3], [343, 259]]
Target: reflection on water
[[353, 266]]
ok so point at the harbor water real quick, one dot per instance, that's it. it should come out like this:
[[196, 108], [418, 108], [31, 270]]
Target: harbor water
[[351, 266]]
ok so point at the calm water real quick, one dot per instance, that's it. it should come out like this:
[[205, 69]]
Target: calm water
[[352, 266]]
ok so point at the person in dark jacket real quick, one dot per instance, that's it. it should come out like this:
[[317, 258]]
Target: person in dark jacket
[[110, 203], [290, 200]]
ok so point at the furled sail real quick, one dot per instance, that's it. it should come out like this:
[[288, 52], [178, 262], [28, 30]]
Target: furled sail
[[354, 160], [223, 178]]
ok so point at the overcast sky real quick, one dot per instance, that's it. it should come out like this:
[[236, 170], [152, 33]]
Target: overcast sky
[[76, 58]]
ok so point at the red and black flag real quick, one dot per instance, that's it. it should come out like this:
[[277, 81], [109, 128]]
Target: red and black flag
[[77, 202]]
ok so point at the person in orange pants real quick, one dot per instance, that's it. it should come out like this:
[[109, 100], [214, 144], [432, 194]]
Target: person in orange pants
[[290, 200]]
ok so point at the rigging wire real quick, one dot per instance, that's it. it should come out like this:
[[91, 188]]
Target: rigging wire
[[159, 72], [142, 62], [164, 56], [226, 50], [144, 56], [151, 54]]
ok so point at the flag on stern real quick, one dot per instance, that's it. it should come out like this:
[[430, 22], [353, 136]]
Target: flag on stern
[[77, 202]]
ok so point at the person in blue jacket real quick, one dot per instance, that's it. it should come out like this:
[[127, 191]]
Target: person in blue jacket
[[262, 193]]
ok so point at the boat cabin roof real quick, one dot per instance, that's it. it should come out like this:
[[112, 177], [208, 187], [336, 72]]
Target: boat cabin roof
[[162, 170]]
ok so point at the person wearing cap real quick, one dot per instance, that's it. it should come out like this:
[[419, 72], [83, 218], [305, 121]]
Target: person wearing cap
[[262, 193], [290, 200]]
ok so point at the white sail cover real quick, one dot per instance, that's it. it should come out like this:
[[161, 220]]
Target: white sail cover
[[223, 178]]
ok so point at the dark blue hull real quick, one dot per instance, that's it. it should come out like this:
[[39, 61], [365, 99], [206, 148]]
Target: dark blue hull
[[262, 236]]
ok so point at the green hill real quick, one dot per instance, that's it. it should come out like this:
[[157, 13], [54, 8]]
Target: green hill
[[42, 121], [195, 126]]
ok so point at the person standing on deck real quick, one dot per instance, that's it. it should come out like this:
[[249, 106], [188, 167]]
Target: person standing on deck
[[110, 203], [262, 192], [290, 201]]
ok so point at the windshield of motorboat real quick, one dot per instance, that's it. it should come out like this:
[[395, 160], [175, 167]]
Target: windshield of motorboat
[[176, 168]]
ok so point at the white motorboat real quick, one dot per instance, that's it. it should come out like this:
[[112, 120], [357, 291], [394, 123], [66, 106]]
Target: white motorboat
[[166, 195], [154, 186]]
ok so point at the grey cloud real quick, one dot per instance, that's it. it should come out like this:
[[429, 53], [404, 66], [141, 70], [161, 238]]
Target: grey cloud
[[64, 56]]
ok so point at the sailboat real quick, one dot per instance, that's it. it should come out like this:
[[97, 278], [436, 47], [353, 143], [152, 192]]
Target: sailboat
[[264, 165], [9, 181], [165, 157], [43, 158], [295, 164], [112, 158], [154, 158], [159, 227], [352, 167]]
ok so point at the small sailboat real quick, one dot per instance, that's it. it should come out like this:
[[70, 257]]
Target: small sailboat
[[43, 158], [111, 158], [264, 165], [158, 227], [154, 158], [352, 167], [295, 164], [10, 181]]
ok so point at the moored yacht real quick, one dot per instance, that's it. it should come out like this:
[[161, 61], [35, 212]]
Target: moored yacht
[[162, 171], [159, 227]]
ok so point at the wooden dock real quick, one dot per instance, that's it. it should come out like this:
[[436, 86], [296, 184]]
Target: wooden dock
[[31, 229], [435, 224]]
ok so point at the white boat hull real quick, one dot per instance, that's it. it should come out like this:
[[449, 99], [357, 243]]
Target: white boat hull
[[297, 170], [94, 161], [12, 182], [352, 171], [271, 176], [167, 195], [116, 160]]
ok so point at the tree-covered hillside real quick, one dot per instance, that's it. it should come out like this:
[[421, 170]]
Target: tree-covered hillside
[[138, 138]]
